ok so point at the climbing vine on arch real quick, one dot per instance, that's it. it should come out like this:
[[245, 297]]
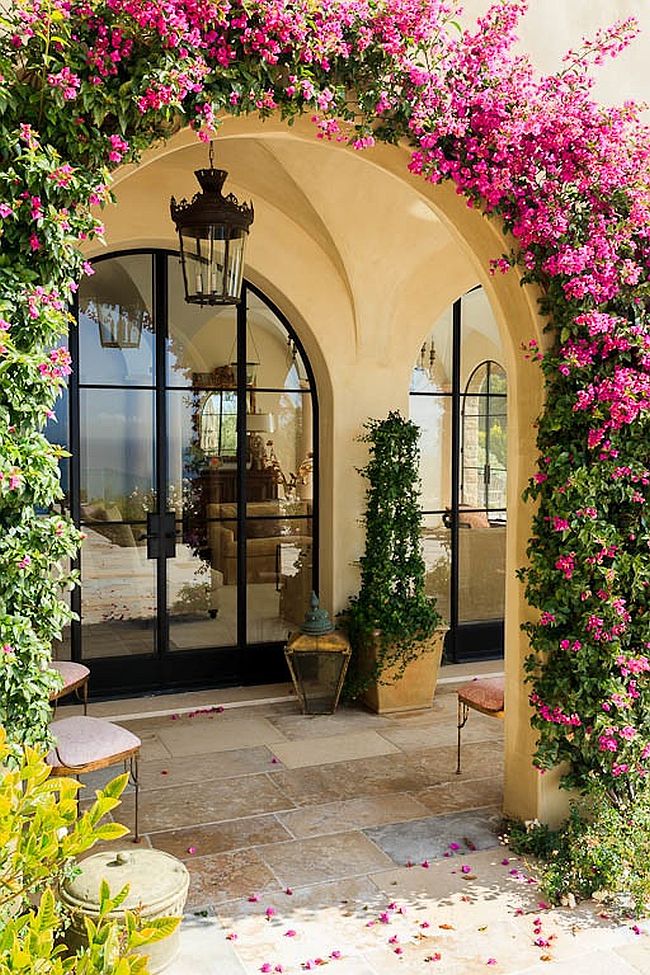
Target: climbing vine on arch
[[87, 85]]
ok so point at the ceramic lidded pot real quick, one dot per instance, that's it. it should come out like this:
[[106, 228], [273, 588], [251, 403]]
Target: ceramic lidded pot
[[158, 885]]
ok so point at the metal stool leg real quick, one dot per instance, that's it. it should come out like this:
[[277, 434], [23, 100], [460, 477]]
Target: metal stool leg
[[135, 778], [463, 715]]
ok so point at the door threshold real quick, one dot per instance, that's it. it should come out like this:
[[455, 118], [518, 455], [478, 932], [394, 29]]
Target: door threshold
[[186, 702], [221, 706]]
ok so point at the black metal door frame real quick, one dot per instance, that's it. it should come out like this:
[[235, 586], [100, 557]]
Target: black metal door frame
[[480, 639], [165, 670]]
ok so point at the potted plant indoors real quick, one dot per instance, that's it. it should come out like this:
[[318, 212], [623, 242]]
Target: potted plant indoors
[[393, 624]]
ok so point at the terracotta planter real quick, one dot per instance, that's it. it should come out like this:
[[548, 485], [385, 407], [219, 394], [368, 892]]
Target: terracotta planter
[[416, 688]]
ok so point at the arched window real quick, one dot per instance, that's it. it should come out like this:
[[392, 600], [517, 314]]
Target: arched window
[[484, 438], [194, 476]]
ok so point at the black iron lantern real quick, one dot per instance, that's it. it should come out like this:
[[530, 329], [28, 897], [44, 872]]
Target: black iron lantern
[[212, 231], [317, 657]]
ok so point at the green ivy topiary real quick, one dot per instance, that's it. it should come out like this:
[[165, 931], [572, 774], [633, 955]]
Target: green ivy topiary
[[392, 608]]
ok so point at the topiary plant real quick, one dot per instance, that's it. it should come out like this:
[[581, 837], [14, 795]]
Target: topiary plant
[[40, 835], [392, 608]]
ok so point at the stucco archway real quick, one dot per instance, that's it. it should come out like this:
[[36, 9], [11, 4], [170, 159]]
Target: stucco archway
[[362, 257]]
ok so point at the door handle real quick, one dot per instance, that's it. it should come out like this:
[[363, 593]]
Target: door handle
[[161, 535]]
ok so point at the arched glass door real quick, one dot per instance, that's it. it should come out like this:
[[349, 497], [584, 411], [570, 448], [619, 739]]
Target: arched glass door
[[194, 477], [459, 400]]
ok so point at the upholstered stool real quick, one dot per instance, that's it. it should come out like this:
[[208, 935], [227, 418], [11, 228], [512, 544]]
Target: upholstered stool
[[75, 679], [88, 744], [485, 696]]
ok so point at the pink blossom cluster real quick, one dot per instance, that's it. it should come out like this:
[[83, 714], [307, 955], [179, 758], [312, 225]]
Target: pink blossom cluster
[[57, 365], [554, 715], [566, 564], [633, 665], [67, 82]]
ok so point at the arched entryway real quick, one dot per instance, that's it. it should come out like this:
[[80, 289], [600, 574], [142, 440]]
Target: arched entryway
[[363, 258], [194, 476]]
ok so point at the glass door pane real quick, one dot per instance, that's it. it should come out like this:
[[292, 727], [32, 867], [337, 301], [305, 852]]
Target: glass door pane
[[118, 594], [201, 399], [202, 493]]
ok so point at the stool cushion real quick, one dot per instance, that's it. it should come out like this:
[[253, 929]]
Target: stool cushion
[[73, 675], [486, 694], [90, 743]]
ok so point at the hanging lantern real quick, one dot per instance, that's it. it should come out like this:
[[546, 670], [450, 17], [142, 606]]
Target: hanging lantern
[[212, 231]]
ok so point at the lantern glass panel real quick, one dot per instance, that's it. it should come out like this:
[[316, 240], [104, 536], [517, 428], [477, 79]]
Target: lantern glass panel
[[318, 675], [213, 265]]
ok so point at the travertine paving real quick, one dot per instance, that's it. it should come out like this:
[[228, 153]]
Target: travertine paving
[[348, 840]]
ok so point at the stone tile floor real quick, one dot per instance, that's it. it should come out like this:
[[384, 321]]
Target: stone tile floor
[[349, 840]]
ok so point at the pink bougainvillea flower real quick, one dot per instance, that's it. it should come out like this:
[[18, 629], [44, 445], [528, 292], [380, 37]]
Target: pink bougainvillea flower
[[266, 967], [270, 912], [425, 864], [290, 933], [231, 936], [191, 849], [465, 868], [454, 846], [253, 898], [491, 961], [336, 954], [288, 891]]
